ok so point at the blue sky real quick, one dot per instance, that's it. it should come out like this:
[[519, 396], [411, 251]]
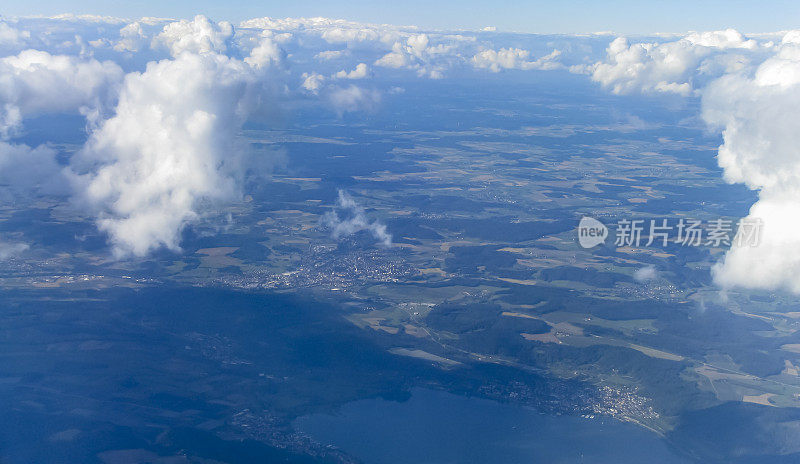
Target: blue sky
[[624, 16]]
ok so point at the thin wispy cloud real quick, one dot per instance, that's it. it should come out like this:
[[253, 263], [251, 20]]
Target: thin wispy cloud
[[349, 218]]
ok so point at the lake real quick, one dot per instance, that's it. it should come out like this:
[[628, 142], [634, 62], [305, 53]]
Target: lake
[[439, 427]]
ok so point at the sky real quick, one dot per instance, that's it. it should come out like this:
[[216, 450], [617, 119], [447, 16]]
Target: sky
[[621, 16]]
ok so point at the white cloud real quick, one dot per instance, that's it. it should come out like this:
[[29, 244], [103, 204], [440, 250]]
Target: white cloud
[[646, 273], [266, 53], [89, 18], [197, 36], [132, 38], [418, 52], [360, 72], [757, 116], [170, 146], [330, 30], [344, 35], [313, 82], [11, 36], [646, 68], [354, 221], [671, 67], [327, 55], [729, 38], [352, 99], [514, 58], [397, 58], [35, 82]]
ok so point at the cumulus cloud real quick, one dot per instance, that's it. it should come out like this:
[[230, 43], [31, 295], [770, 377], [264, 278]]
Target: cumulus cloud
[[360, 72], [313, 82], [428, 53], [349, 218], [170, 144], [132, 38], [35, 82], [11, 36], [418, 52], [756, 114], [727, 39], [197, 36], [342, 99], [677, 67], [266, 54], [514, 58]]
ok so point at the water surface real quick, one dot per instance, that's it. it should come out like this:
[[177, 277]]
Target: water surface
[[442, 428]]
